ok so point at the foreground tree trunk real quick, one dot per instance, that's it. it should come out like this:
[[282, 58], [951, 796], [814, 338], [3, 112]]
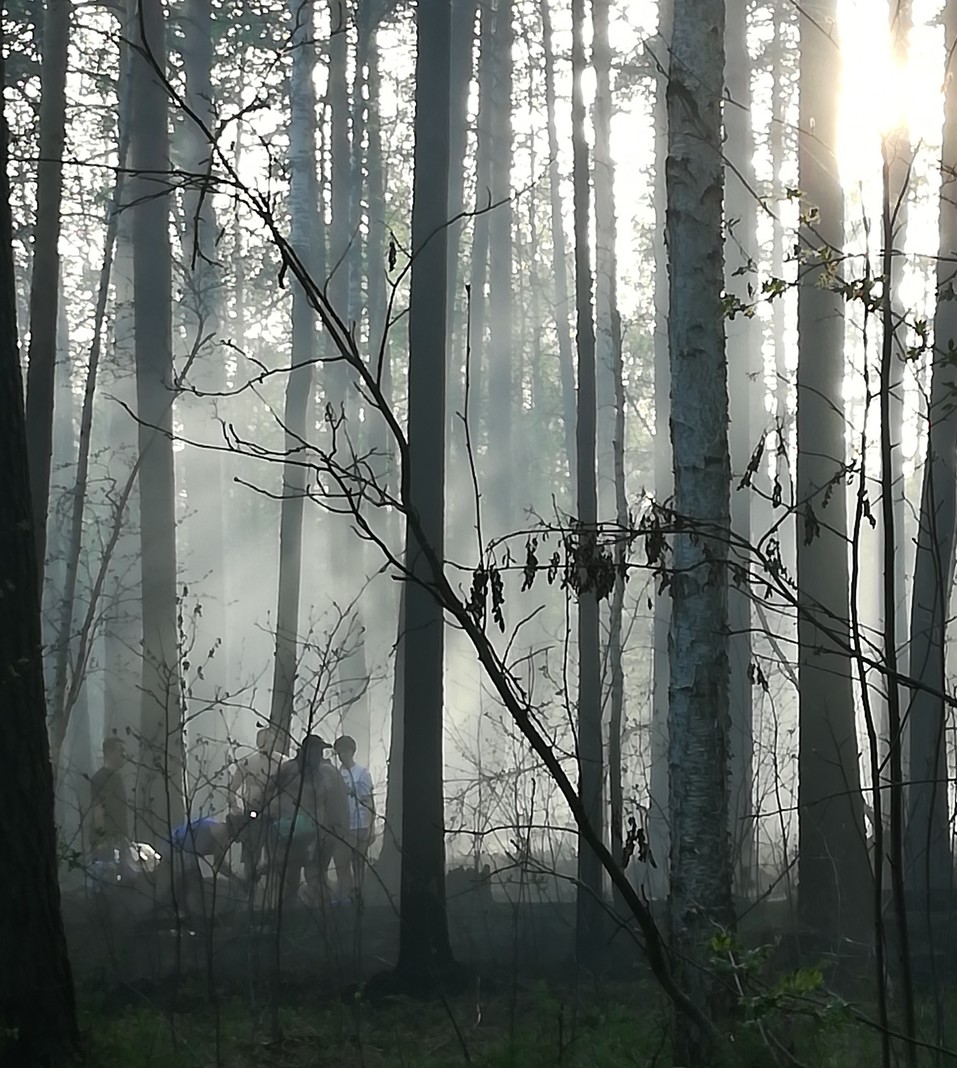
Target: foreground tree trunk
[[927, 842], [833, 869], [45, 283], [698, 719], [424, 949], [37, 1009], [160, 786]]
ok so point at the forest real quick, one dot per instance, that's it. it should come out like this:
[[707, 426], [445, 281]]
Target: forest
[[478, 533]]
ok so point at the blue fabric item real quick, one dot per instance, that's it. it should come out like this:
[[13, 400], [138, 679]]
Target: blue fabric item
[[195, 836]]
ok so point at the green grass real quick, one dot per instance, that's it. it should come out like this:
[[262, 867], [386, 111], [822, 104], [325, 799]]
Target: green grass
[[534, 1028]]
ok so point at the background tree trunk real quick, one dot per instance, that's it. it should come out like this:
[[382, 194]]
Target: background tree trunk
[[833, 867], [45, 284], [927, 847], [504, 475], [745, 373], [588, 912], [160, 785], [559, 255], [304, 233]]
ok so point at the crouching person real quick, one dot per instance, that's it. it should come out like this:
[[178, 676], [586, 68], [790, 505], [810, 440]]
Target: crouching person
[[200, 841]]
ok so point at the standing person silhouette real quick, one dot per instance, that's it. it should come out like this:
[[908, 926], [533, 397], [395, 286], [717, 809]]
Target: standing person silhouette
[[358, 783]]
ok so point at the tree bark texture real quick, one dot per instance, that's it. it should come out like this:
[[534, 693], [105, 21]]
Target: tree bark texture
[[698, 719]]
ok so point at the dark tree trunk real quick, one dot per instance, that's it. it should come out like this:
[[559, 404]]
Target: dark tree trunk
[[44, 286], [589, 898], [37, 1010], [423, 934]]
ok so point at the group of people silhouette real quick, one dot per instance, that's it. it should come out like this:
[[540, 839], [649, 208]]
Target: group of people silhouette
[[295, 820]]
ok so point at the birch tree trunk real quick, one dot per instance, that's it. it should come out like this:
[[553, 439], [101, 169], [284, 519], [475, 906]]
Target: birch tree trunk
[[698, 719]]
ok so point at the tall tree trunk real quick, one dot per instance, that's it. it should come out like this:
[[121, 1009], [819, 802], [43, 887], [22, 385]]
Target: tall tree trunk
[[698, 719], [60, 703], [123, 625], [206, 561], [463, 48], [503, 472], [37, 1008], [304, 233], [45, 283], [122, 614], [890, 459], [588, 911], [423, 929], [744, 370], [160, 787], [481, 225], [833, 864], [655, 876], [610, 404], [559, 255], [927, 845]]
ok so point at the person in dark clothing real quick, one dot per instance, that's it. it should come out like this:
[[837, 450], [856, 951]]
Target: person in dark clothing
[[109, 810]]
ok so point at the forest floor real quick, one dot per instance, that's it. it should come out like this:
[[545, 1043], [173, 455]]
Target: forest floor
[[244, 995], [537, 1024]]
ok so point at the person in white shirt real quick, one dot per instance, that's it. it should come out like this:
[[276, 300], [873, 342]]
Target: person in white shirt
[[361, 805]]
